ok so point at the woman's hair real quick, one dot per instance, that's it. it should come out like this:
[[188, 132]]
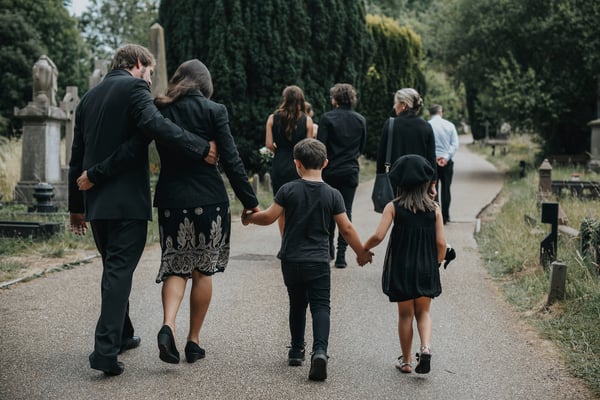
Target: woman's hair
[[291, 108], [416, 198], [309, 108], [128, 55], [409, 96], [343, 94], [190, 75]]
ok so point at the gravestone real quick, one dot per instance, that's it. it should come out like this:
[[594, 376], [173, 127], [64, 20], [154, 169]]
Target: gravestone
[[594, 163], [68, 105], [42, 120], [157, 47], [100, 70]]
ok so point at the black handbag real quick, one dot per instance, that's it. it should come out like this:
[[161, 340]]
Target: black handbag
[[382, 188]]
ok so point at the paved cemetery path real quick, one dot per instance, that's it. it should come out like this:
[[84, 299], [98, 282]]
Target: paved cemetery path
[[481, 350]]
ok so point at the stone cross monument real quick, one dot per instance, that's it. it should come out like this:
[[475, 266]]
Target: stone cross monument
[[42, 121], [157, 47]]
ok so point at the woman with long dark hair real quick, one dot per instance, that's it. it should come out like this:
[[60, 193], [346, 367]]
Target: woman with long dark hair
[[288, 125], [193, 205]]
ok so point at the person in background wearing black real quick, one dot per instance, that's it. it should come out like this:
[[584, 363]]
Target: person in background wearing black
[[412, 134], [109, 182], [344, 133], [288, 125]]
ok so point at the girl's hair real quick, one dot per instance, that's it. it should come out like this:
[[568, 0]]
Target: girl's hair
[[343, 94], [291, 108], [415, 198], [409, 96], [190, 75]]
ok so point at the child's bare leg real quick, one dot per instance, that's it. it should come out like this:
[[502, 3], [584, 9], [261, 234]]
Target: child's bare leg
[[406, 313], [422, 305]]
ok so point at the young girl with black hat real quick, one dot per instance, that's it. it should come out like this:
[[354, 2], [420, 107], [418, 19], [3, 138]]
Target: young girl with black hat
[[416, 247]]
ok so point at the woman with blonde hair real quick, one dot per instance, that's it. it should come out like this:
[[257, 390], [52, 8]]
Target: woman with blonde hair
[[411, 133]]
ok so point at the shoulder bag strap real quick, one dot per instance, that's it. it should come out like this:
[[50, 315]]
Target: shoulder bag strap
[[388, 151]]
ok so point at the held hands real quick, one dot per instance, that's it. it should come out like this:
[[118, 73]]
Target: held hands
[[212, 157], [83, 182], [366, 256], [247, 213], [77, 224]]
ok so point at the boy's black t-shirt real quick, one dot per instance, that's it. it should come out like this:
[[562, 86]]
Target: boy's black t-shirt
[[309, 209]]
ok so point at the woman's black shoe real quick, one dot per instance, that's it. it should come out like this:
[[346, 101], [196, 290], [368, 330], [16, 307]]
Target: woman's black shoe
[[193, 352], [166, 346]]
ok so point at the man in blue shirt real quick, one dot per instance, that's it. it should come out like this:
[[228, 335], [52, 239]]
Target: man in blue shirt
[[446, 144]]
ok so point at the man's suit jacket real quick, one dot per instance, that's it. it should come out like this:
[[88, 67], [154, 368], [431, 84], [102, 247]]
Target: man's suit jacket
[[118, 118]]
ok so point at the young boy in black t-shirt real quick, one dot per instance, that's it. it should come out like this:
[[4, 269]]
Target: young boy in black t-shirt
[[309, 205]]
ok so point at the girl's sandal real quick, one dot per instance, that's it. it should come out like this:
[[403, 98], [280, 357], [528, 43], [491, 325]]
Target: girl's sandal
[[423, 360], [404, 367]]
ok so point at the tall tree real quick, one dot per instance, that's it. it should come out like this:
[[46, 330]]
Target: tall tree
[[258, 48], [108, 24], [47, 28], [534, 63], [396, 64]]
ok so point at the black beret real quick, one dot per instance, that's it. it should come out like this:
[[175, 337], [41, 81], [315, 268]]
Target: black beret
[[411, 170]]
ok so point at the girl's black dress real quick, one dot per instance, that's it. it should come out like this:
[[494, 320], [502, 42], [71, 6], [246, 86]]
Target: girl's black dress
[[410, 268], [283, 169]]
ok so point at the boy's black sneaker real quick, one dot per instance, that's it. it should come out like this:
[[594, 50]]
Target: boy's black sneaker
[[295, 357], [318, 366]]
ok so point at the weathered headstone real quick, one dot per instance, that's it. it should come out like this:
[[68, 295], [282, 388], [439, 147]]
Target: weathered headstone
[[42, 121], [157, 47], [594, 163], [545, 180], [68, 105], [558, 278], [100, 70]]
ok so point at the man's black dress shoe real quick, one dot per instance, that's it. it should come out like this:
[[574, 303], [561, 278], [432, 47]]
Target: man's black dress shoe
[[116, 369], [166, 346], [130, 343]]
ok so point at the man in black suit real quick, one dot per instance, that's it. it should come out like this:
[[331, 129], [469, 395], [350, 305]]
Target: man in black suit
[[115, 121], [344, 133]]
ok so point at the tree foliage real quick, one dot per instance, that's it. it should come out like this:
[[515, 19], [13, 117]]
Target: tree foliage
[[428, 19], [108, 24], [19, 47], [534, 63], [396, 64], [258, 48], [30, 28]]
